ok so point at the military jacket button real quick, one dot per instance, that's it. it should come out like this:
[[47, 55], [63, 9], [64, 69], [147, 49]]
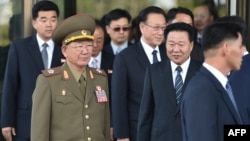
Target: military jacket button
[[87, 116], [86, 106], [88, 128]]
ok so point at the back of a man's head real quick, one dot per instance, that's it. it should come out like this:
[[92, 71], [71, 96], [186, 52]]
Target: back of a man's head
[[218, 32], [239, 21]]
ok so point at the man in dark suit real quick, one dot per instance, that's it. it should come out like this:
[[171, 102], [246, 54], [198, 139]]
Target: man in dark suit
[[182, 14], [208, 103], [159, 116], [24, 64], [240, 84], [129, 70], [241, 90], [117, 23]]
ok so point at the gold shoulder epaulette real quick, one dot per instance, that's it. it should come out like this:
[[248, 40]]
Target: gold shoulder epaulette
[[52, 71], [98, 72]]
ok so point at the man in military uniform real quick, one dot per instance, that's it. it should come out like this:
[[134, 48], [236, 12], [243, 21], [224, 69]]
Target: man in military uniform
[[66, 106]]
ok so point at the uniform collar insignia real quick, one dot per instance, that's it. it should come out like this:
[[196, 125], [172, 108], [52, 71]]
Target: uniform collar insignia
[[65, 75], [99, 71], [50, 71]]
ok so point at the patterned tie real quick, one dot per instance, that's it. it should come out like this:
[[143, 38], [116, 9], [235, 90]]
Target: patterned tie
[[178, 84], [94, 63], [231, 96], [154, 53], [45, 55]]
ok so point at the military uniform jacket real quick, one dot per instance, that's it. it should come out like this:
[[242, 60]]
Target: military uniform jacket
[[60, 113]]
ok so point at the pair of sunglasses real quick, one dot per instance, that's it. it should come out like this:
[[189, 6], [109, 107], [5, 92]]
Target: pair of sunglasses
[[118, 29]]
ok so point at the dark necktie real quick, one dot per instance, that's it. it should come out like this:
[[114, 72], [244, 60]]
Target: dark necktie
[[154, 53], [231, 96], [82, 85], [45, 55], [178, 84], [199, 40]]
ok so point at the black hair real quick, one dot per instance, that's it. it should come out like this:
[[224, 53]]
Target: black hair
[[238, 20], [181, 26], [217, 32], [143, 14], [171, 14], [44, 6], [99, 24], [116, 14]]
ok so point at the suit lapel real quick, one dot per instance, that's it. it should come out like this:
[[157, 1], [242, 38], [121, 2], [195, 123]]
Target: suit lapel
[[163, 52], [35, 53], [141, 56], [169, 82], [108, 49], [192, 69], [57, 55], [230, 105], [223, 92]]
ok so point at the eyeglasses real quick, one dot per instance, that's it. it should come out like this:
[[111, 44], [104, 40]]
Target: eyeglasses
[[118, 29], [80, 48], [156, 28]]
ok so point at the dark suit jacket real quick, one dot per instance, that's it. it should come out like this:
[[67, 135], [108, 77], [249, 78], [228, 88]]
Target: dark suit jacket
[[3, 60], [107, 65], [206, 108], [159, 116], [240, 81], [24, 64], [127, 85], [107, 61], [197, 52]]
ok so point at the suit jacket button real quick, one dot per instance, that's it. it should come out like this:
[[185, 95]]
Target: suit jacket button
[[89, 139]]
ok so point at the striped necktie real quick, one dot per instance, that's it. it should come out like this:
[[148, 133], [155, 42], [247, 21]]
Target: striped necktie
[[231, 96], [178, 84]]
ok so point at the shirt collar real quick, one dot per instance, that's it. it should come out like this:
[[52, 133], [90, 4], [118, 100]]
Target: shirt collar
[[41, 42], [77, 75], [121, 47], [98, 58], [148, 50], [217, 74]]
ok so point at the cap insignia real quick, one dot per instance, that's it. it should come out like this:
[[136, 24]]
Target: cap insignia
[[84, 32]]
